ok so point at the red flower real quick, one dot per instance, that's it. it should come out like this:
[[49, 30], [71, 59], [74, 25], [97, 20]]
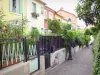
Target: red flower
[[5, 29]]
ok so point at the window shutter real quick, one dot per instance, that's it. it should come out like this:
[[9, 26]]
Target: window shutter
[[34, 7], [11, 5], [20, 7]]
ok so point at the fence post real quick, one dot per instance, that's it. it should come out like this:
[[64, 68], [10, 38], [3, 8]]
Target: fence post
[[0, 56], [25, 48], [38, 51]]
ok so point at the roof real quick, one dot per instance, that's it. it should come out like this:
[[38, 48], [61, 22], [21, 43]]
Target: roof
[[67, 12], [55, 12], [61, 16], [50, 8], [41, 2]]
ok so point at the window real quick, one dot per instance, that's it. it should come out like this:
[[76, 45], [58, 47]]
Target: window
[[16, 6], [59, 20], [42, 10], [69, 20], [50, 15], [33, 28], [34, 7]]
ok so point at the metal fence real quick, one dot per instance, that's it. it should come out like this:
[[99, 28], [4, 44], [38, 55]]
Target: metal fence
[[50, 43], [13, 51]]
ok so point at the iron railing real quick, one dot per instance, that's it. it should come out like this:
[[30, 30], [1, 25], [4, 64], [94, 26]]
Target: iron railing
[[13, 51]]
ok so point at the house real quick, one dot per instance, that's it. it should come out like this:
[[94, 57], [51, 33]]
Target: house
[[35, 14], [49, 14], [13, 9], [60, 18], [71, 18]]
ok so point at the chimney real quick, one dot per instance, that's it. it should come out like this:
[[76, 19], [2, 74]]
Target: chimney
[[61, 8]]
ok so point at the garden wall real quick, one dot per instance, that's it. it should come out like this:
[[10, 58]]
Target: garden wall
[[24, 68], [57, 57]]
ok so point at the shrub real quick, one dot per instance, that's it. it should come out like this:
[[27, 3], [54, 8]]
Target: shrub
[[88, 32], [54, 26], [94, 30], [96, 56], [34, 32]]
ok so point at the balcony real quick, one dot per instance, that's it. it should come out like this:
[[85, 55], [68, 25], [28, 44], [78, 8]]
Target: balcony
[[35, 15]]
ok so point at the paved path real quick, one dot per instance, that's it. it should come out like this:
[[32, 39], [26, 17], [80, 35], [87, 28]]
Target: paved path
[[80, 65]]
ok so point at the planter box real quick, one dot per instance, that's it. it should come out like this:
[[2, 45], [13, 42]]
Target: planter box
[[10, 63]]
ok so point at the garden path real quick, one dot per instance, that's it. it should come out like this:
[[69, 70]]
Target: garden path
[[80, 65]]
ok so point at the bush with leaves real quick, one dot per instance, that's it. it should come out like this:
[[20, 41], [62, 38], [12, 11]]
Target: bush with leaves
[[96, 56], [33, 36], [94, 30], [54, 26], [78, 37], [88, 32]]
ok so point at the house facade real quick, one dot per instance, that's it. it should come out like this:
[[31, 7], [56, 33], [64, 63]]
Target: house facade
[[49, 14], [13, 9], [60, 18], [71, 18], [35, 14]]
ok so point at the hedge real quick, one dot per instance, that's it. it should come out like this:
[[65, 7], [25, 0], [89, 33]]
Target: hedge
[[96, 56]]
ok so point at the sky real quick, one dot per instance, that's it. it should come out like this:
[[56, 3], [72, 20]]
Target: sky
[[67, 5]]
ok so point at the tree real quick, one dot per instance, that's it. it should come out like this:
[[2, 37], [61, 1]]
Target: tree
[[89, 11], [54, 26], [88, 32]]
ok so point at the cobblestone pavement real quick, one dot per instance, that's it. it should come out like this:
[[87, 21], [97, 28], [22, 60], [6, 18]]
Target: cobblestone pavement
[[80, 65]]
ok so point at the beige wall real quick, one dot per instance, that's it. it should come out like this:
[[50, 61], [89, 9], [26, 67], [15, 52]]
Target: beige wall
[[68, 15], [58, 17], [5, 5], [61, 18]]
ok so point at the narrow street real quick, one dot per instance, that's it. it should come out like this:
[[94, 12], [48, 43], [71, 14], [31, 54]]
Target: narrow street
[[80, 65]]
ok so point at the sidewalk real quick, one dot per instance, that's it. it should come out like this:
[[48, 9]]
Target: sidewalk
[[80, 65]]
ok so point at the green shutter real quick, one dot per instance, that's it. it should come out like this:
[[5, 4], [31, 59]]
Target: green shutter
[[20, 7], [11, 5], [34, 7]]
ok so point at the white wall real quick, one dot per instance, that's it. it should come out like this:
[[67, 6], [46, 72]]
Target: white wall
[[58, 57], [33, 22]]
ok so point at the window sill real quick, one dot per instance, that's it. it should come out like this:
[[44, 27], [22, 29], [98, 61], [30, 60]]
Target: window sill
[[15, 13]]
